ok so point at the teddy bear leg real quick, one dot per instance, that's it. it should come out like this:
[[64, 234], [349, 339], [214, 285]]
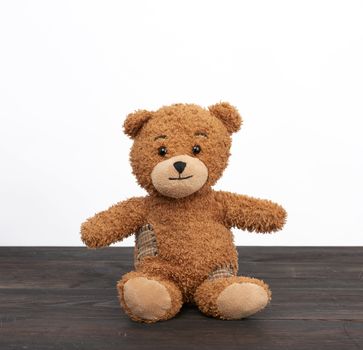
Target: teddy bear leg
[[232, 298], [147, 298]]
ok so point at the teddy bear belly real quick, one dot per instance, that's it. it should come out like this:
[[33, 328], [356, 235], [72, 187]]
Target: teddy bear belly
[[189, 255]]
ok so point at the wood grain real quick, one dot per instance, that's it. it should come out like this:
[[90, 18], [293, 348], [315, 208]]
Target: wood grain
[[65, 298]]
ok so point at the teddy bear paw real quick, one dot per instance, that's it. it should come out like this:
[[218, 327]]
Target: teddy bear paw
[[146, 299], [240, 300]]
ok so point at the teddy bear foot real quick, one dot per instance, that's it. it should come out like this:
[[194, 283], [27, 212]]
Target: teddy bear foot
[[149, 299], [232, 298]]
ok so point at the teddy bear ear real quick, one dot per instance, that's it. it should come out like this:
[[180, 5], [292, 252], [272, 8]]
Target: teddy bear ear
[[228, 115], [135, 121]]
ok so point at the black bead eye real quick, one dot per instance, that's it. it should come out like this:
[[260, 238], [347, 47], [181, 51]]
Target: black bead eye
[[196, 149], [162, 151]]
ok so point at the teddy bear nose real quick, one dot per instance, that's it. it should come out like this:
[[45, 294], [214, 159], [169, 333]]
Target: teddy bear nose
[[180, 166]]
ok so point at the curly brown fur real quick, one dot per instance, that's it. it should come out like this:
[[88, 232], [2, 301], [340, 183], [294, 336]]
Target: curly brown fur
[[114, 224], [192, 224]]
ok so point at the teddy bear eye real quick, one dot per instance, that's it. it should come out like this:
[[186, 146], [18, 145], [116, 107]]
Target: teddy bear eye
[[196, 149], [162, 151]]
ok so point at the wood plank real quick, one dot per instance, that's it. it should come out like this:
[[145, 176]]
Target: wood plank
[[85, 268], [65, 298], [257, 254], [299, 304], [104, 274], [180, 333]]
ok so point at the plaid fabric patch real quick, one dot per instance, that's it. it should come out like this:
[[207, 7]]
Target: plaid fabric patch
[[145, 243], [226, 271]]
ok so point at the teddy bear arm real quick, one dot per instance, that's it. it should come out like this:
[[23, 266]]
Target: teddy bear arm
[[252, 214], [114, 224]]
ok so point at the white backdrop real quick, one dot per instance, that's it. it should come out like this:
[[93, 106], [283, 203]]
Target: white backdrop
[[70, 71]]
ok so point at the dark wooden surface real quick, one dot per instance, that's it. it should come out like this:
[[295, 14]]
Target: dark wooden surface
[[65, 298]]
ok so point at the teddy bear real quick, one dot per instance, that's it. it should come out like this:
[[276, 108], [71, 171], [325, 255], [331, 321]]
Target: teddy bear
[[184, 249]]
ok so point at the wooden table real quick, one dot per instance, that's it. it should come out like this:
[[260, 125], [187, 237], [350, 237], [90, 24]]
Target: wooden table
[[65, 298]]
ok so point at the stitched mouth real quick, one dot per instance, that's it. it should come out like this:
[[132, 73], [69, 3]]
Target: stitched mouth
[[180, 178]]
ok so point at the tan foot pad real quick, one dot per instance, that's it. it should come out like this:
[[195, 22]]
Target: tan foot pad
[[240, 300], [146, 298]]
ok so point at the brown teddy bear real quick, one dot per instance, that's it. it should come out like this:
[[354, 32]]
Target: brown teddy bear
[[184, 249]]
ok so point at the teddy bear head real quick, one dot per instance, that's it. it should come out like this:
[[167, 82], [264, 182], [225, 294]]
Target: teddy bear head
[[181, 149]]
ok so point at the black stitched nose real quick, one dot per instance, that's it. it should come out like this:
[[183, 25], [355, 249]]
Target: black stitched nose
[[180, 166]]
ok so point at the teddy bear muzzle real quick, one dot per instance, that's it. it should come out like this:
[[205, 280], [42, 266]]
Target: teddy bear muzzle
[[179, 176]]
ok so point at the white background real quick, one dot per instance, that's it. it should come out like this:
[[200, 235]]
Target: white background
[[70, 71]]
